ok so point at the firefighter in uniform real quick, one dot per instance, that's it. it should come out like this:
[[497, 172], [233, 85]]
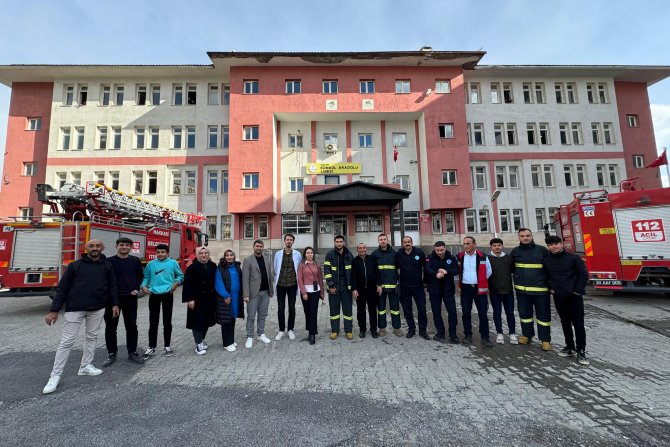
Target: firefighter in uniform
[[337, 273], [532, 292], [385, 256]]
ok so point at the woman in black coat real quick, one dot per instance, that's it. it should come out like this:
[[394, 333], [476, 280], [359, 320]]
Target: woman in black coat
[[199, 293], [229, 295]]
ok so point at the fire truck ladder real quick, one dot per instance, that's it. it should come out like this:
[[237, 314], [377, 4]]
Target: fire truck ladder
[[69, 244], [594, 196]]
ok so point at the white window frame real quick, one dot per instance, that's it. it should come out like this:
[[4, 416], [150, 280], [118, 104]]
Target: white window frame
[[139, 89], [442, 86], [436, 222], [250, 132], [397, 136], [291, 85], [177, 95], [449, 177], [446, 130], [548, 176], [581, 175], [330, 86], [296, 184], [177, 137], [596, 133], [366, 86], [34, 124], [190, 139], [212, 132], [632, 120], [576, 133], [544, 134], [154, 137], [29, 169], [248, 180], [496, 97], [608, 133], [364, 140], [403, 86], [638, 161], [213, 95]]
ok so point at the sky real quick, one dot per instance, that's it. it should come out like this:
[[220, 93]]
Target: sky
[[595, 32]]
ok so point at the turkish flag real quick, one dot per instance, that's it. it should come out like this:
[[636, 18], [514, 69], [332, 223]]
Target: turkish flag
[[395, 153], [660, 161]]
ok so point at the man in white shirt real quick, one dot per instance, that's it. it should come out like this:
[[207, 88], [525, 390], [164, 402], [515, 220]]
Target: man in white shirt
[[475, 270]]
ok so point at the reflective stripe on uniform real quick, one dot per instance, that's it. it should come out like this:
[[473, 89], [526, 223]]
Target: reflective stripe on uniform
[[328, 276], [347, 267], [347, 318], [333, 268], [389, 286], [326, 262], [528, 266], [387, 267], [381, 312], [531, 289], [482, 290], [526, 320], [335, 317], [395, 312], [543, 323]]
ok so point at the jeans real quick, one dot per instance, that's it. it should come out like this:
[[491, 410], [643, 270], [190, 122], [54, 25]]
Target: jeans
[[128, 307], [571, 311], [468, 295], [73, 320], [498, 300], [156, 301]]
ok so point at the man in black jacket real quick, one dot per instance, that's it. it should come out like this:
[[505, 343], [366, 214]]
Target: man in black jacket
[[567, 277], [440, 270], [410, 262], [366, 288], [86, 288]]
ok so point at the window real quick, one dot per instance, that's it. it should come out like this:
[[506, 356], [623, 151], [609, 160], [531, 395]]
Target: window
[[474, 95], [478, 134], [484, 221], [69, 95], [155, 94], [176, 137], [531, 132], [61, 179], [449, 222], [603, 95], [225, 137], [102, 138], [211, 227], [436, 219], [331, 179], [517, 219], [296, 223], [540, 218], [176, 182], [292, 87], [403, 181], [479, 178], [511, 133], [600, 175], [212, 182], [539, 92], [638, 161], [513, 176], [564, 134], [263, 227], [548, 175], [576, 130], [226, 94], [152, 178], [364, 140], [446, 130], [571, 92], [139, 137], [560, 93], [191, 94], [367, 86], [83, 95], [190, 182], [212, 137], [105, 94], [410, 218], [581, 175], [591, 93], [224, 182], [535, 177], [508, 93], [250, 180], [141, 95], [495, 93], [190, 137], [213, 94], [138, 180], [596, 133], [153, 137], [505, 224], [296, 140], [296, 184], [402, 86], [608, 133], [470, 221], [99, 177], [116, 138], [118, 94], [613, 174], [632, 120], [248, 227], [449, 177], [569, 175], [329, 86], [442, 86], [527, 93], [34, 123], [114, 179], [177, 94], [399, 139], [544, 134], [250, 133], [75, 177], [226, 226], [329, 138], [79, 131], [367, 179], [29, 169], [501, 176], [498, 133], [26, 213]]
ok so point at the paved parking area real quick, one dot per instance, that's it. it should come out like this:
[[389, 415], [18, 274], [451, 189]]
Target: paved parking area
[[388, 391]]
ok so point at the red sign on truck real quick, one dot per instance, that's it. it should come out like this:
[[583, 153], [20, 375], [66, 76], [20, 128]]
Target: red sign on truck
[[648, 230]]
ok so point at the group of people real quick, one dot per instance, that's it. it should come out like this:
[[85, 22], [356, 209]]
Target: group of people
[[94, 288]]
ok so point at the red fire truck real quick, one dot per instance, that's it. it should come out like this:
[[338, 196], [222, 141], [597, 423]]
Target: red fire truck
[[35, 253], [622, 237]]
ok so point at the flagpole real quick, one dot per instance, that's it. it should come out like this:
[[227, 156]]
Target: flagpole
[[667, 168]]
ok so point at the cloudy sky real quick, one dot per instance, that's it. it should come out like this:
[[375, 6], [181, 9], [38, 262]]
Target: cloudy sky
[[174, 32]]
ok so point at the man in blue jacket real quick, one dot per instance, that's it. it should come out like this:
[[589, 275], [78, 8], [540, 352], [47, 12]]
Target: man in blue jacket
[[86, 288], [440, 271], [410, 262]]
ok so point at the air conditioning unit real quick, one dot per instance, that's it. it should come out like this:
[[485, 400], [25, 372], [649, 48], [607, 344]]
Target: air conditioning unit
[[331, 148]]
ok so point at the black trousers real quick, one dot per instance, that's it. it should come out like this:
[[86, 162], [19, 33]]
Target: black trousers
[[228, 333], [199, 335], [156, 301], [571, 311], [312, 308], [394, 305], [541, 307], [367, 298], [419, 295], [128, 307], [449, 300], [282, 292], [470, 294]]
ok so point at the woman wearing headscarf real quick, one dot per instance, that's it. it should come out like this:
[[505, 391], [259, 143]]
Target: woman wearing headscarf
[[229, 307], [310, 283], [199, 294]]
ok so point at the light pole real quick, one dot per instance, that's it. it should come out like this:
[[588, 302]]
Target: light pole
[[494, 197]]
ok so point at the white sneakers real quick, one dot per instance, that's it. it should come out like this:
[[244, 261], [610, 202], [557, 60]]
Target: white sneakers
[[200, 349], [230, 348], [204, 344], [500, 339], [513, 339], [291, 335], [249, 343], [52, 384], [264, 338], [88, 370], [168, 351], [280, 335]]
